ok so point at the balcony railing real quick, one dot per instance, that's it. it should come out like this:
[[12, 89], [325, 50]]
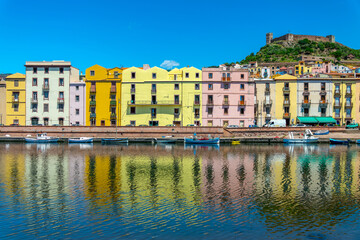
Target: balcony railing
[[210, 102], [348, 93], [323, 103], [267, 90], [132, 90], [92, 103], [92, 115], [15, 99], [286, 102], [306, 93], [149, 102], [93, 90], [113, 116], [153, 91], [306, 103], [242, 103], [226, 102], [226, 79], [337, 92], [60, 100], [348, 104], [46, 86], [337, 104], [113, 89], [113, 103], [286, 115], [322, 93], [286, 89], [197, 102], [34, 100], [176, 115], [267, 102], [197, 115], [268, 115]]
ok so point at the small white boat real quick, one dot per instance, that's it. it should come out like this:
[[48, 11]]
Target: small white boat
[[165, 139], [307, 137], [42, 138], [322, 132], [81, 140]]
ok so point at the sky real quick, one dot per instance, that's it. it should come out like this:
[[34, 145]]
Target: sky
[[161, 33]]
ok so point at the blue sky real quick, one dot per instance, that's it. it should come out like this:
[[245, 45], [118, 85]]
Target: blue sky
[[131, 33]]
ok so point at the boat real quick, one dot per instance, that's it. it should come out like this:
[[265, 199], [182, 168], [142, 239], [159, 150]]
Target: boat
[[114, 140], [307, 137], [42, 138], [81, 140], [322, 132], [357, 141], [201, 140], [336, 141], [165, 140]]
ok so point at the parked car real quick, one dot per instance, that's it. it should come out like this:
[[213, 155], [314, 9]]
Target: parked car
[[130, 125], [232, 126], [253, 126], [56, 125], [331, 125], [14, 125], [143, 125], [276, 123], [191, 125], [170, 125]]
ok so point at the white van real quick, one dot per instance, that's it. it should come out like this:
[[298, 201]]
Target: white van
[[276, 123]]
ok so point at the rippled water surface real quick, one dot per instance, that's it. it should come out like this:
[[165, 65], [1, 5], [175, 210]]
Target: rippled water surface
[[177, 192]]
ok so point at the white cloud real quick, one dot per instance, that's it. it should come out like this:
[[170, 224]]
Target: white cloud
[[169, 64]]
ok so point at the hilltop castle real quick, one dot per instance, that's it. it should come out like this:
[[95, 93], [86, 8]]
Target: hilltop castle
[[294, 38]]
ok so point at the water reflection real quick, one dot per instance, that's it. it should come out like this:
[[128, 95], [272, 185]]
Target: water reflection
[[141, 191]]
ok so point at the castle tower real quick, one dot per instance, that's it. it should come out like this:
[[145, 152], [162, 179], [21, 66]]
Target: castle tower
[[269, 38], [331, 38]]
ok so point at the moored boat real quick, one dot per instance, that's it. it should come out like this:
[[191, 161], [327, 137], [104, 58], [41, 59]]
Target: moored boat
[[201, 141], [322, 132], [114, 140], [337, 141], [81, 140], [42, 138], [166, 140], [306, 138]]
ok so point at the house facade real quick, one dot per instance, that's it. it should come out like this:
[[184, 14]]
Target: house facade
[[77, 103], [15, 99], [265, 99]]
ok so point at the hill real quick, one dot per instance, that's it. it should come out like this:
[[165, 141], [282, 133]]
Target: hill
[[283, 51]]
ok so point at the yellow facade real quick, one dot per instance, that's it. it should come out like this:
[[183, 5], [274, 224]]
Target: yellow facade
[[302, 68], [286, 98], [15, 99], [345, 103], [103, 93], [156, 97]]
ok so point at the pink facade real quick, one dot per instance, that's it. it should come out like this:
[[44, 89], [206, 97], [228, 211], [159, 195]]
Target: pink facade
[[228, 97], [77, 103], [321, 68]]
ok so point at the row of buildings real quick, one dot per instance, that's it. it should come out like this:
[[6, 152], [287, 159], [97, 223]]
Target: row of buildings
[[54, 93]]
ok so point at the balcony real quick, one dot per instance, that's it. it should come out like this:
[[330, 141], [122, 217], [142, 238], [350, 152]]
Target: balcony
[[337, 104], [176, 115], [93, 89], [197, 102], [306, 93], [348, 94], [226, 79], [113, 89], [305, 103], [267, 91], [337, 92], [34, 100], [286, 115], [210, 102], [226, 103], [267, 103], [60, 100], [153, 91], [113, 116], [322, 93], [197, 116], [348, 104], [46, 87], [113, 103], [15, 99], [92, 103], [286, 89], [268, 115], [286, 102], [150, 103], [323, 103], [92, 115], [243, 103], [132, 90]]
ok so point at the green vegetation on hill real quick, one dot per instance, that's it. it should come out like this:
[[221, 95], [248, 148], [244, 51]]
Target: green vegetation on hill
[[282, 51]]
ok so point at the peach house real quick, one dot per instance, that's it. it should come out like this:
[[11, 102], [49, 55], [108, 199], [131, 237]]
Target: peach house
[[228, 97]]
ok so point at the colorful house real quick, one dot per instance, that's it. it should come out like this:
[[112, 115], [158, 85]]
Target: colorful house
[[156, 97], [302, 69], [2, 101], [286, 98], [15, 99], [228, 97], [103, 93], [265, 98], [77, 103]]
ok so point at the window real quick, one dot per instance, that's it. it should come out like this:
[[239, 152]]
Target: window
[[210, 86], [132, 88], [61, 95], [16, 83], [61, 82], [16, 107], [61, 107], [176, 87], [242, 110], [197, 86], [113, 97], [209, 123], [46, 95], [132, 110], [113, 110], [197, 99], [153, 88], [175, 77], [210, 99], [242, 76], [306, 86], [153, 123], [46, 83], [154, 76], [92, 73], [225, 123], [16, 121], [210, 75], [35, 70], [77, 98], [242, 123], [34, 121], [116, 74], [34, 107], [113, 122], [153, 99], [46, 70], [34, 82], [93, 122], [34, 96], [46, 107], [197, 112], [226, 111], [322, 86], [133, 98], [242, 86], [186, 75], [210, 111], [153, 112], [133, 75], [242, 100], [77, 111], [92, 110], [61, 70], [133, 123], [176, 99], [77, 88], [226, 86], [197, 75], [77, 123], [176, 112]]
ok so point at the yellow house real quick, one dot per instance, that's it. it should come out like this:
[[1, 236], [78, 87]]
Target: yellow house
[[345, 102], [286, 98], [15, 99], [103, 93], [301, 68], [156, 97]]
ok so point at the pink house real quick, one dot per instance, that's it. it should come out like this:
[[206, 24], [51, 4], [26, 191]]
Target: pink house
[[321, 67], [228, 97], [77, 103]]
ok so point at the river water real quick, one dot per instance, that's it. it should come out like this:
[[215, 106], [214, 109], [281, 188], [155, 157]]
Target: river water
[[174, 192]]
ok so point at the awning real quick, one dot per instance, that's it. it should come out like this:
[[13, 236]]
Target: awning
[[326, 120], [307, 120]]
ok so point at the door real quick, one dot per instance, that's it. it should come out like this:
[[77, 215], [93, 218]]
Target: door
[[177, 123], [102, 123]]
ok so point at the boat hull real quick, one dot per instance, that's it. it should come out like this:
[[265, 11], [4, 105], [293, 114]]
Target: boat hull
[[114, 140], [84, 140], [197, 141], [301, 141], [335, 141], [165, 141], [33, 140], [321, 133]]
